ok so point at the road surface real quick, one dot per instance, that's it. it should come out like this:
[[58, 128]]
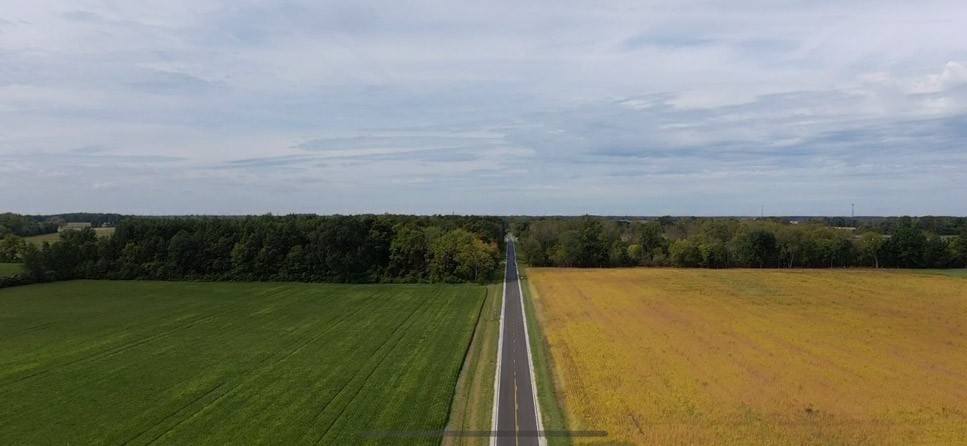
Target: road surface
[[517, 421]]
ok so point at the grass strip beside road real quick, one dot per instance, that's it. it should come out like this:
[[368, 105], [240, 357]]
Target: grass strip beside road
[[473, 398]]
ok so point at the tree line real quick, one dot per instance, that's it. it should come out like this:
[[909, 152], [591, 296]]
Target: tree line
[[30, 225], [304, 248], [396, 248], [24, 225], [733, 242]]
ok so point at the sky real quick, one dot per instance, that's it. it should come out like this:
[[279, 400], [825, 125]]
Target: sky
[[625, 107]]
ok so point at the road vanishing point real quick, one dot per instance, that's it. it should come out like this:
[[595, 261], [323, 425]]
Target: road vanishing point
[[517, 419]]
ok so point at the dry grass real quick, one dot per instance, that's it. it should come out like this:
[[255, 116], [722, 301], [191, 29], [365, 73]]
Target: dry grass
[[659, 356]]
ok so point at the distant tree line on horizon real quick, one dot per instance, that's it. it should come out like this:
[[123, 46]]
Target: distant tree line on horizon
[[303, 248], [25, 226], [399, 248], [896, 242]]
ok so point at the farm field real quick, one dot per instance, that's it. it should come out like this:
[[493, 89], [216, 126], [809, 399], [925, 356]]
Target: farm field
[[670, 356], [93, 362], [9, 269], [55, 236], [473, 400]]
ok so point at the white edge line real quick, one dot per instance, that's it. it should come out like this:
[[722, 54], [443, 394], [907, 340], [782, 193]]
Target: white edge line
[[500, 347], [541, 439]]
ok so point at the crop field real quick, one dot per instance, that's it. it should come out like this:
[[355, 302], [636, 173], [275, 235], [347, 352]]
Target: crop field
[[9, 269], [668, 356], [98, 362]]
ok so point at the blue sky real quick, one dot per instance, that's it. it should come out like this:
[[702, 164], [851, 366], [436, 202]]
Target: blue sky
[[500, 107]]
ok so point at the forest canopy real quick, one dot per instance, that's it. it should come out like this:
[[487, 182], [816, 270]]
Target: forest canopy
[[400, 248], [304, 248], [901, 242]]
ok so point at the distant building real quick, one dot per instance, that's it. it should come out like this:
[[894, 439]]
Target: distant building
[[73, 226]]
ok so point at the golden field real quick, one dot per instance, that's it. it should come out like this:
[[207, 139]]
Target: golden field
[[675, 356]]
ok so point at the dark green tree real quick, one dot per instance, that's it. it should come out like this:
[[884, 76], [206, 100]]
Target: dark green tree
[[594, 250], [756, 248]]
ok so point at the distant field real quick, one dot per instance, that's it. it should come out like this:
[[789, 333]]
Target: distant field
[[9, 269], [40, 239], [229, 363], [962, 273], [668, 356]]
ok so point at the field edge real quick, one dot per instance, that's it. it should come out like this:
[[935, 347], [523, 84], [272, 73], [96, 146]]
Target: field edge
[[548, 385], [473, 394], [878, 317]]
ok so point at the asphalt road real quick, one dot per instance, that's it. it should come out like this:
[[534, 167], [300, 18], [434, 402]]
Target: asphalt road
[[517, 418]]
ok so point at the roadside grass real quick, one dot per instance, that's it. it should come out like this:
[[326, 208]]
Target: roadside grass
[[548, 382], [111, 362], [473, 400]]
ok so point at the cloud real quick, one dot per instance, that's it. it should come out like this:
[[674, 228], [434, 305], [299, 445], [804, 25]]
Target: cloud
[[660, 41], [497, 107], [167, 82]]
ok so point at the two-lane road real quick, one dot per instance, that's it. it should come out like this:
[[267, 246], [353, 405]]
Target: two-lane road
[[517, 417]]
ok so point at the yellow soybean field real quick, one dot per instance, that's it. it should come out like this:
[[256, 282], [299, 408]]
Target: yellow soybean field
[[667, 356]]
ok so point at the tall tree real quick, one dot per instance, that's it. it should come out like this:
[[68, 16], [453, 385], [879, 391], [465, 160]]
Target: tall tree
[[958, 250], [11, 248], [594, 250], [871, 247], [909, 244], [757, 248]]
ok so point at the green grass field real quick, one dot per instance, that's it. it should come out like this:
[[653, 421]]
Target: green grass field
[[948, 272], [89, 362], [9, 269], [40, 239], [53, 237]]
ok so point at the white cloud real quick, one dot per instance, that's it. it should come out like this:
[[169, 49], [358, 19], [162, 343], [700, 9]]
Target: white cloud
[[953, 75], [505, 107]]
